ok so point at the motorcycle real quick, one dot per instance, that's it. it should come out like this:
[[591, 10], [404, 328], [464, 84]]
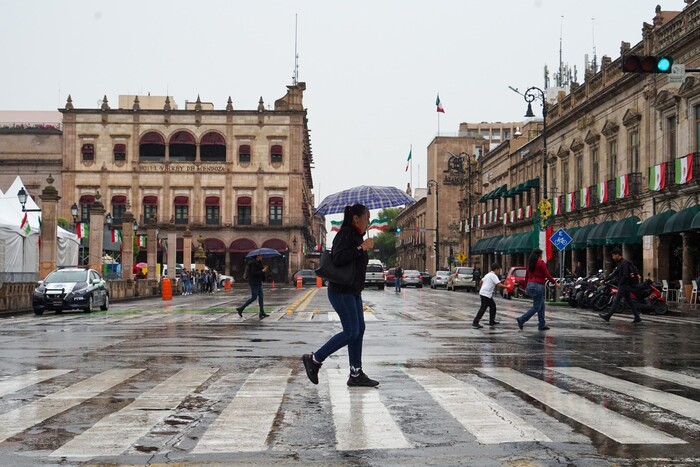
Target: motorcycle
[[584, 288], [647, 297]]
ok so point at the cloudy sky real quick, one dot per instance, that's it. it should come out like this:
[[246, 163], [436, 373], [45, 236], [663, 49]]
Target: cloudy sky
[[372, 68]]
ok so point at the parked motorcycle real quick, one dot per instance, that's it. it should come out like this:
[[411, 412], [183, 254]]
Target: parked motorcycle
[[584, 288], [647, 297]]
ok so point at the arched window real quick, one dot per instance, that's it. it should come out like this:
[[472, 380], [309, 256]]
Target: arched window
[[211, 204], [182, 147], [88, 152], [152, 147], [118, 208], [85, 202], [275, 210], [119, 152], [245, 210], [212, 147], [244, 153], [150, 207], [182, 209], [276, 154]]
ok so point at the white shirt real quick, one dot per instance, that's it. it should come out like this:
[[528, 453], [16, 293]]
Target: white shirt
[[489, 284]]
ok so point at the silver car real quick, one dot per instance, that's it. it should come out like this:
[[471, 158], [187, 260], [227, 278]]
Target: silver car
[[412, 277], [439, 279], [461, 277]]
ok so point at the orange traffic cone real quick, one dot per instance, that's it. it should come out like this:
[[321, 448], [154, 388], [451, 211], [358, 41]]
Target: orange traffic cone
[[298, 282], [167, 289]]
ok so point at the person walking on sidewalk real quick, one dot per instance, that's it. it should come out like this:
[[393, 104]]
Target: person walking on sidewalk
[[487, 287], [535, 276], [626, 276], [256, 275], [348, 247], [398, 274]]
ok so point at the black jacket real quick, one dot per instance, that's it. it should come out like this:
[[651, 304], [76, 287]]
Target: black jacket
[[344, 251], [255, 274], [624, 274]]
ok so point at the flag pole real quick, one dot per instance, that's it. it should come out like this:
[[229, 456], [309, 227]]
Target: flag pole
[[411, 181]]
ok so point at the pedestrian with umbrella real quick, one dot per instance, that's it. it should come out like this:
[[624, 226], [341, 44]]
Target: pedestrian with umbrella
[[348, 247], [255, 273]]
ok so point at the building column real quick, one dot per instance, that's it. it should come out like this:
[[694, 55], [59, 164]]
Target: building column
[[688, 264], [590, 261], [172, 251], [664, 251], [187, 250], [151, 247], [227, 262], [127, 244], [96, 234], [49, 243]]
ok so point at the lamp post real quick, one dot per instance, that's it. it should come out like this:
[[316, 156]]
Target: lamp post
[[22, 196], [74, 212], [434, 184], [530, 95]]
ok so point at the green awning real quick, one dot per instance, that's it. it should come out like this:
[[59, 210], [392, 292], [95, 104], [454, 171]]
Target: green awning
[[655, 224], [532, 183], [571, 231], [511, 242], [476, 248], [527, 242], [599, 234], [624, 231], [490, 244], [580, 239], [498, 192], [696, 222], [681, 221], [502, 245]]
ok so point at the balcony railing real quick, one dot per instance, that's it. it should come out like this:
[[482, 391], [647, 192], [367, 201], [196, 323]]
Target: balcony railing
[[244, 222]]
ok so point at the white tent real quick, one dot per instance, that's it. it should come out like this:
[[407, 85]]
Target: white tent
[[19, 248]]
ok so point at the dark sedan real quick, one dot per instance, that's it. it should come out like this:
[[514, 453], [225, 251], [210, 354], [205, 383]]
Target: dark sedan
[[71, 289]]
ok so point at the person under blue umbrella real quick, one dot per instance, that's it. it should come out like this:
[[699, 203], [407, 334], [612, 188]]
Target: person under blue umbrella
[[255, 272]]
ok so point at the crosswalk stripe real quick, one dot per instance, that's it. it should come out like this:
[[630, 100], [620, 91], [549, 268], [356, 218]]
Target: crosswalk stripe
[[680, 405], [245, 423], [119, 430], [304, 316], [361, 419], [683, 380], [18, 420], [611, 424], [370, 317], [481, 415], [19, 382]]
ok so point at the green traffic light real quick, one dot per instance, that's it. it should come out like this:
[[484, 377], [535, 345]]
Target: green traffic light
[[664, 64]]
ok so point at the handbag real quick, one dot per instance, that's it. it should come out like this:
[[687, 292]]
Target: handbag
[[343, 275]]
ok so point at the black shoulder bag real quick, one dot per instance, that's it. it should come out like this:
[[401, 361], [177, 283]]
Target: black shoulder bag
[[343, 275]]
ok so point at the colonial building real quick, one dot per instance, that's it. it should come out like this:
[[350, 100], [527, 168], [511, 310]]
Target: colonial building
[[238, 179]]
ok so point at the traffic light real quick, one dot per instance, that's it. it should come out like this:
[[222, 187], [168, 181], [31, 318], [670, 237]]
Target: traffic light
[[646, 64], [398, 229]]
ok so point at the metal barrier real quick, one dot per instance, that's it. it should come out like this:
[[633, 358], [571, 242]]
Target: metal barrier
[[550, 291], [19, 277]]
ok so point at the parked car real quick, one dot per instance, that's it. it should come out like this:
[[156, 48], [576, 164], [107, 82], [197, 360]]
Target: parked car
[[374, 276], [425, 275], [461, 277], [308, 276], [223, 278], [71, 288], [439, 279], [389, 278], [515, 281], [411, 277]]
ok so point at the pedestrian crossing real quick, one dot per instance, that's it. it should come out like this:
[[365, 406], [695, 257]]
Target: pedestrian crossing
[[362, 418]]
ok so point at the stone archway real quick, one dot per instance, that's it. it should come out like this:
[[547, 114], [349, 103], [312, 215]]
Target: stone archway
[[237, 251], [279, 266]]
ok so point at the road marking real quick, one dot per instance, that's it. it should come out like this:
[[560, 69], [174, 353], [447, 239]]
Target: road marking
[[680, 405], [481, 415], [19, 382], [116, 432], [306, 299], [276, 316], [304, 316], [611, 424], [361, 419], [678, 378], [333, 316], [245, 423], [22, 418]]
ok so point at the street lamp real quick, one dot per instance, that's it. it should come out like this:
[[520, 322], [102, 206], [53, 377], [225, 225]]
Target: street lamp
[[22, 196], [109, 220], [434, 184], [530, 95], [74, 212]]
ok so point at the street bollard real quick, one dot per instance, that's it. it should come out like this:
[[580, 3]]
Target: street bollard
[[319, 282], [166, 289], [298, 282], [227, 284]]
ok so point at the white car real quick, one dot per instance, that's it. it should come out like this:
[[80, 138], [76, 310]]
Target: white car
[[461, 277], [439, 279]]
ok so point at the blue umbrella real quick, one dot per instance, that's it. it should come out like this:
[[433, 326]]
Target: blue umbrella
[[374, 197], [264, 252]]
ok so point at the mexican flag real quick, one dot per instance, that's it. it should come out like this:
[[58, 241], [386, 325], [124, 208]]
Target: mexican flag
[[556, 209], [657, 177], [439, 104], [570, 201], [602, 189], [116, 236], [545, 245], [505, 218], [585, 197], [623, 187], [335, 225], [528, 211], [684, 169], [141, 241], [82, 230], [379, 224], [410, 156], [512, 216], [25, 225]]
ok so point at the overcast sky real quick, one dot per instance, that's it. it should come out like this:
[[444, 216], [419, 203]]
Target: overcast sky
[[372, 68]]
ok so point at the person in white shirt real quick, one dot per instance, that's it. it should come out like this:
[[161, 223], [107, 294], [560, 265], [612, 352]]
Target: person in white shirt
[[488, 284]]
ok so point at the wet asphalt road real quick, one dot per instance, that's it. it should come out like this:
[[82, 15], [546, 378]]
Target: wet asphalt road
[[188, 381]]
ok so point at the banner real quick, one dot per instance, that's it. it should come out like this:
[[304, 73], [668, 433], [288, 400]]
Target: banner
[[684, 169], [657, 177]]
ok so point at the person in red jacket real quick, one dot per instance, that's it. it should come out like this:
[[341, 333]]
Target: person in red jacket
[[535, 276]]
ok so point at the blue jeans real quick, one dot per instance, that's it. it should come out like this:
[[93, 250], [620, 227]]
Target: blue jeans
[[536, 291], [256, 291], [349, 309], [397, 284]]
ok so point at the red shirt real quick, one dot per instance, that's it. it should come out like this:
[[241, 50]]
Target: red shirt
[[539, 275]]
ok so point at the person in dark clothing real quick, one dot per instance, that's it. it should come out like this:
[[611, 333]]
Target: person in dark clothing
[[398, 273], [477, 278], [348, 246], [256, 276], [580, 271], [626, 277]]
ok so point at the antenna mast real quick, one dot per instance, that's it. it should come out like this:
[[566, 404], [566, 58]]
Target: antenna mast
[[594, 65], [560, 77], [295, 77]]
